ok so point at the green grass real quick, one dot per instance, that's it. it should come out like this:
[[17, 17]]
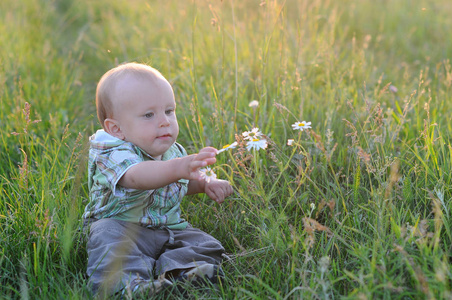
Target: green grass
[[376, 165]]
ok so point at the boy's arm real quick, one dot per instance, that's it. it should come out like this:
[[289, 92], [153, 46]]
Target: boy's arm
[[196, 186], [149, 175]]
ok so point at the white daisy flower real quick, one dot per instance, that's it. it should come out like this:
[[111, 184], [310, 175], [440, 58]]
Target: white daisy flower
[[227, 147], [207, 174], [301, 125], [256, 144], [254, 103], [251, 135], [290, 142]]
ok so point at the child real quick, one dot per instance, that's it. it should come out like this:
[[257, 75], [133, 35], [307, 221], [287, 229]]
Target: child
[[138, 176]]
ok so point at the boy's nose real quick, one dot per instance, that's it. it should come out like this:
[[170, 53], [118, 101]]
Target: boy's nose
[[164, 121]]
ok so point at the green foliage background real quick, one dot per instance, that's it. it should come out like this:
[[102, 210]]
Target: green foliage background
[[360, 207]]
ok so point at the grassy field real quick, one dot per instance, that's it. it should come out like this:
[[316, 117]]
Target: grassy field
[[359, 207]]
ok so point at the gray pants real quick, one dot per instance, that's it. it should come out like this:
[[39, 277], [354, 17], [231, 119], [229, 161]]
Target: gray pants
[[122, 254]]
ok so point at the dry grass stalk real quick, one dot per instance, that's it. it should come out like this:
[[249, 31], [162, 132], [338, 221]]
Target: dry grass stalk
[[321, 146], [353, 134], [393, 178], [310, 226], [331, 204], [365, 157], [26, 112], [237, 243], [280, 107], [24, 171]]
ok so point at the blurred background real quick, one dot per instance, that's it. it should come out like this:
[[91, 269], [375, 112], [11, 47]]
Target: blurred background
[[373, 77]]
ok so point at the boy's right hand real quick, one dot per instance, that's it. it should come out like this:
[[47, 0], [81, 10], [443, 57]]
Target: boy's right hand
[[205, 157], [153, 174]]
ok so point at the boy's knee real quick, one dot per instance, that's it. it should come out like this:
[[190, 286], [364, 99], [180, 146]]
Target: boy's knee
[[105, 225]]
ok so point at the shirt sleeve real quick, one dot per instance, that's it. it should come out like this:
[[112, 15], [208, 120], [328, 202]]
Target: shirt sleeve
[[113, 165]]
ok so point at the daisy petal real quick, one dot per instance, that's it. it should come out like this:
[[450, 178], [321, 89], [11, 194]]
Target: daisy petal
[[256, 144], [207, 174], [253, 134], [227, 147], [301, 125]]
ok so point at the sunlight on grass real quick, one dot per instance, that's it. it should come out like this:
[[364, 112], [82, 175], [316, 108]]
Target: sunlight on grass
[[358, 205]]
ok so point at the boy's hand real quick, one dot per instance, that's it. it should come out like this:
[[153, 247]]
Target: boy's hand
[[205, 157], [153, 174], [218, 190]]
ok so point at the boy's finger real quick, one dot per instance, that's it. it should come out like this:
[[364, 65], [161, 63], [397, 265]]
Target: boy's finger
[[196, 165], [205, 161], [199, 164], [208, 150], [205, 155]]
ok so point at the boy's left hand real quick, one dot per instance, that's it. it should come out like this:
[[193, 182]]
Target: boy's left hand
[[218, 190]]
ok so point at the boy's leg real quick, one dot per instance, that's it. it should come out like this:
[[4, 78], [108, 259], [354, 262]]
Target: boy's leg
[[192, 248], [120, 254]]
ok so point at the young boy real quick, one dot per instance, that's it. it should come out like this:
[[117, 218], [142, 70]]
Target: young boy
[[138, 176]]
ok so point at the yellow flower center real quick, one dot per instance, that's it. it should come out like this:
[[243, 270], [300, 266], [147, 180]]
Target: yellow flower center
[[224, 147], [255, 140]]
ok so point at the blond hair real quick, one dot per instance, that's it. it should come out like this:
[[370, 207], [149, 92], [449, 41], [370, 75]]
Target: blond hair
[[105, 91]]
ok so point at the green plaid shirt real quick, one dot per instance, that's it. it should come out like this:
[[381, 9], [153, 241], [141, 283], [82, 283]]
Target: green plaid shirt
[[109, 159]]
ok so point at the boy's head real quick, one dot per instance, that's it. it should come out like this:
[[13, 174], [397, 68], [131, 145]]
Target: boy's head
[[136, 103]]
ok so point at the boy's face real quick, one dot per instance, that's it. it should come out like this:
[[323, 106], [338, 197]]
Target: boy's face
[[144, 112]]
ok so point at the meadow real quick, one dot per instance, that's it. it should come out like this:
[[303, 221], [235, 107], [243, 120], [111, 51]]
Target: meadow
[[358, 207]]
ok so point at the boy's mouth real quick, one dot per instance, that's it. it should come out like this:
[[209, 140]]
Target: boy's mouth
[[164, 136]]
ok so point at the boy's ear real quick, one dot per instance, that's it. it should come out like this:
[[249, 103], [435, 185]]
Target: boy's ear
[[112, 127]]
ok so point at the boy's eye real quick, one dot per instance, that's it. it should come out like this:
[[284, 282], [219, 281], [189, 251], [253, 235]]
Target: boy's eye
[[149, 115], [169, 111]]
